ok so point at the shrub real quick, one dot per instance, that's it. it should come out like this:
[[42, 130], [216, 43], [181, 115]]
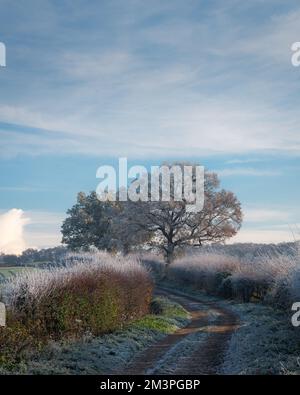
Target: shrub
[[154, 263], [156, 307], [273, 279], [14, 340], [204, 271], [285, 287], [92, 293], [225, 289]]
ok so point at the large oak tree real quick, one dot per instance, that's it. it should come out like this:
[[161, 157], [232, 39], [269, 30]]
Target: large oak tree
[[166, 225], [173, 226]]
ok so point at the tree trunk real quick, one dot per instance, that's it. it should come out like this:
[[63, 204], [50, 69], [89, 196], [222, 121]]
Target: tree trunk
[[169, 257]]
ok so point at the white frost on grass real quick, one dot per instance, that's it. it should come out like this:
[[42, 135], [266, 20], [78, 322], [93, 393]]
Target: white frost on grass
[[265, 343]]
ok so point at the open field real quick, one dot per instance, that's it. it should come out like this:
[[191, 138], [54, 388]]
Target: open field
[[7, 272]]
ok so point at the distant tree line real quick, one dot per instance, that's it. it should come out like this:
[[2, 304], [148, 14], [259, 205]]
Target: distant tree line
[[34, 257], [247, 252]]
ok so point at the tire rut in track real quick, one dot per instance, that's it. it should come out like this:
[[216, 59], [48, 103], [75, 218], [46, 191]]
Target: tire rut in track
[[207, 354]]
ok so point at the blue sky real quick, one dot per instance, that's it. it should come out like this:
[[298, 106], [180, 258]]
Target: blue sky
[[209, 81]]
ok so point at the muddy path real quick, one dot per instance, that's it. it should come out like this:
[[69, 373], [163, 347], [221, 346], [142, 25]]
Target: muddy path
[[198, 348]]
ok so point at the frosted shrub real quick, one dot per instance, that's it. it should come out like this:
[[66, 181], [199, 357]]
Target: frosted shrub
[[286, 288], [295, 284], [154, 263], [204, 271], [94, 292], [247, 286], [273, 278]]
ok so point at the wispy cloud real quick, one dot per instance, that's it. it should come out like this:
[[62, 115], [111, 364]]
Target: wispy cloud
[[44, 229], [252, 172], [155, 82], [264, 215], [263, 236], [244, 161], [45, 217], [21, 189]]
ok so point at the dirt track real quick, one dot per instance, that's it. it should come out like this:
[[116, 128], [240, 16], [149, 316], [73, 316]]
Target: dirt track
[[197, 348]]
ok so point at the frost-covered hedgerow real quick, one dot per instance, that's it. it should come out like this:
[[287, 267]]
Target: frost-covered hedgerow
[[94, 293], [274, 279], [32, 286]]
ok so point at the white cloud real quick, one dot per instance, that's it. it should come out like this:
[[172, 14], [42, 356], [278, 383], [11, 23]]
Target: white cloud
[[20, 230], [12, 224]]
